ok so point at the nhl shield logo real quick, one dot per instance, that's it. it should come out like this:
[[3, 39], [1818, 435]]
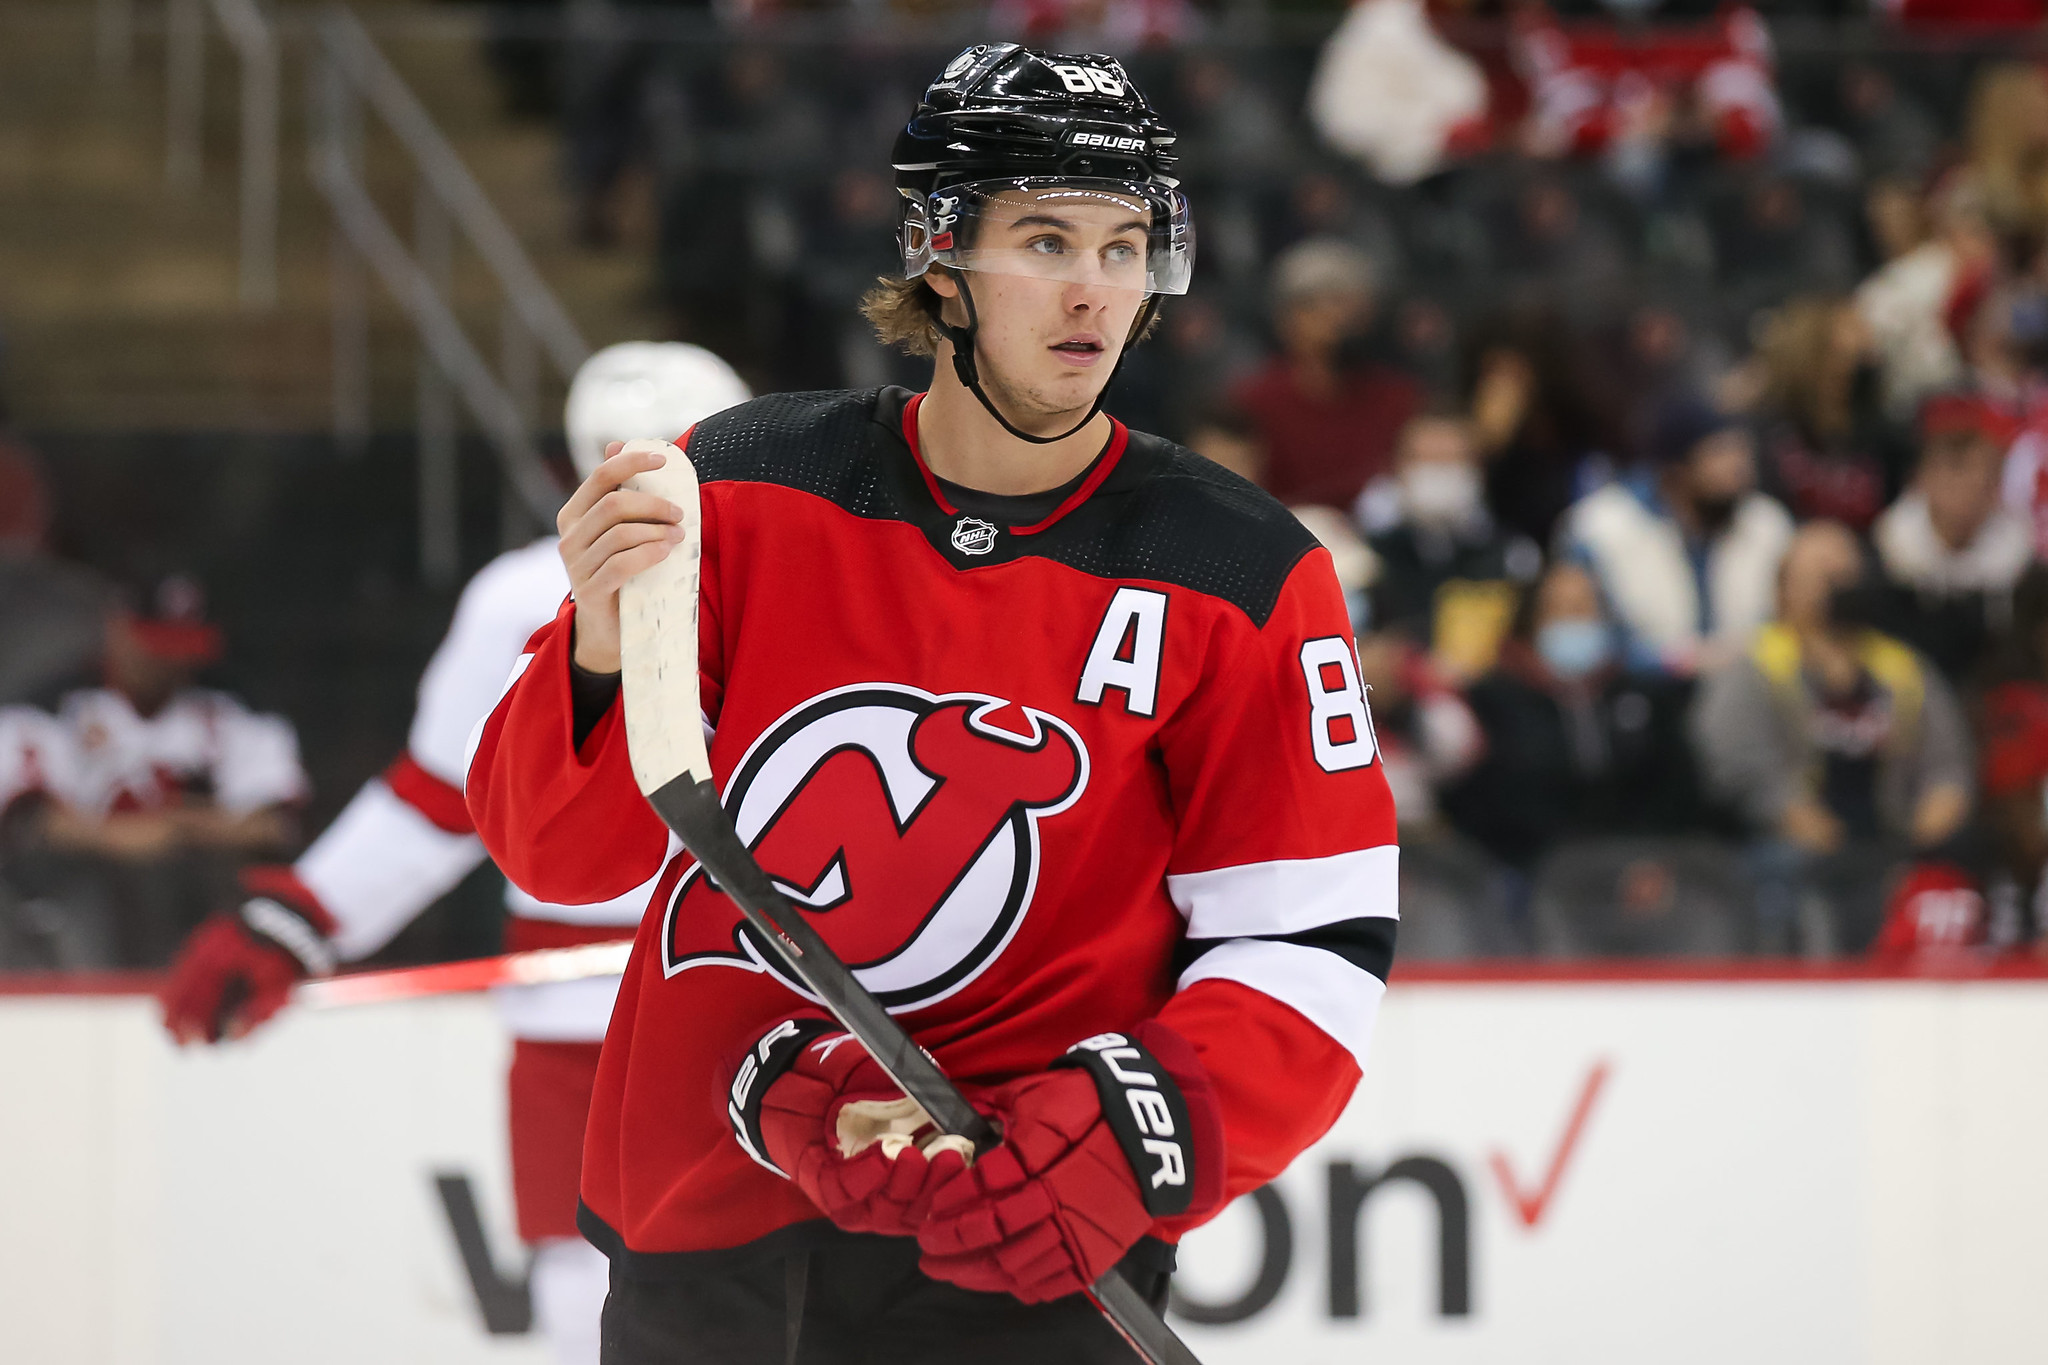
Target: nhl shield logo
[[973, 536]]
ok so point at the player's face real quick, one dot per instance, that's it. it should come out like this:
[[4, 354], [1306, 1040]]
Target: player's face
[[1057, 281]]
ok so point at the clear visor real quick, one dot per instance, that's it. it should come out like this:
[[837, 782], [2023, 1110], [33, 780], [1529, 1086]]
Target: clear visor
[[1115, 234]]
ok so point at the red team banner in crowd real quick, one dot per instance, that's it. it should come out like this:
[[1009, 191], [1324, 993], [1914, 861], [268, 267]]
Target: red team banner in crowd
[[1765, 1168]]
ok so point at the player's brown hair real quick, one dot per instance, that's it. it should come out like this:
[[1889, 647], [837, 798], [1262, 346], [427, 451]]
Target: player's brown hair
[[901, 312]]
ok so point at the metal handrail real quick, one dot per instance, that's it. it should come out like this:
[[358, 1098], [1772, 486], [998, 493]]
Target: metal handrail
[[345, 41], [349, 75], [493, 406], [255, 42]]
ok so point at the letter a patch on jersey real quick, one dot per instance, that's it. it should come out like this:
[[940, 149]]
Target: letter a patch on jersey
[[905, 825], [1127, 651]]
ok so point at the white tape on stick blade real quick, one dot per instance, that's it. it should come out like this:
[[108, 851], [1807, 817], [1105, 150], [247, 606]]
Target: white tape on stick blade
[[664, 725]]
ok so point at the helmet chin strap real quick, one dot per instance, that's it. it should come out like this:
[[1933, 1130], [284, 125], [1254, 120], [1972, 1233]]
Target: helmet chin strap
[[962, 339]]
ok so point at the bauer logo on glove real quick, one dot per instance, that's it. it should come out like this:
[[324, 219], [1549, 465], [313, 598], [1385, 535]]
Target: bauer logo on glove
[[1145, 1111]]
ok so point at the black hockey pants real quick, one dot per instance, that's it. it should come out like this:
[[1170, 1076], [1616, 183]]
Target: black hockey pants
[[854, 1301]]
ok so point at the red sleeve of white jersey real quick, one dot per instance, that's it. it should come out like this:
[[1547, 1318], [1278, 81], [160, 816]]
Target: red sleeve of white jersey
[[396, 848], [1284, 866]]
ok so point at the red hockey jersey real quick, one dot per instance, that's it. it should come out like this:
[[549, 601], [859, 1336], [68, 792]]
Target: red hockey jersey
[[1031, 782]]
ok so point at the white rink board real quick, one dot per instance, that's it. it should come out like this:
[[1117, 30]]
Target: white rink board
[[266, 1202], [1842, 1172]]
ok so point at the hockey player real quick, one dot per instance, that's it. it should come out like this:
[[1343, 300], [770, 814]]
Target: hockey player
[[406, 839], [1053, 728]]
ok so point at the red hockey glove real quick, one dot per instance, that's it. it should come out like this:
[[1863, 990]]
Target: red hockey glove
[[238, 968], [1123, 1131], [810, 1104]]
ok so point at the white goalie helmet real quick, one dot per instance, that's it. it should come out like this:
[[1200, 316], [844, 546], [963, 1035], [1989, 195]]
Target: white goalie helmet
[[652, 389]]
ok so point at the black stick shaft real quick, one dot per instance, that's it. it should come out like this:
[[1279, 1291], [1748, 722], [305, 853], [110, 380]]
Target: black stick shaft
[[692, 810]]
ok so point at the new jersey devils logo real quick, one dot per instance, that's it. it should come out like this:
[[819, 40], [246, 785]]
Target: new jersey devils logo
[[904, 824]]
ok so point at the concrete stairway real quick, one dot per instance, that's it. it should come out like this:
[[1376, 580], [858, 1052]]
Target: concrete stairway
[[117, 296]]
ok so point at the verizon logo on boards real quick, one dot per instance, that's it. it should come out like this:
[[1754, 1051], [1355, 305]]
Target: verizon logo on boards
[[1346, 1196]]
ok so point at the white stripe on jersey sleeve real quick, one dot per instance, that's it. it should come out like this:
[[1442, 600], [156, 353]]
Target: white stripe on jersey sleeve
[[380, 863], [1338, 998], [1289, 895]]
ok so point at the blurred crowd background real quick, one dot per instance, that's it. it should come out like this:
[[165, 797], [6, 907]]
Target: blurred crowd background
[[1668, 380]]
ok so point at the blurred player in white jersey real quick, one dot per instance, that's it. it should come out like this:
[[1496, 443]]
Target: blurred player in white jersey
[[406, 839]]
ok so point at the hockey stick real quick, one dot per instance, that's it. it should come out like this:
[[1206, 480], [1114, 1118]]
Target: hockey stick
[[533, 968], [665, 736]]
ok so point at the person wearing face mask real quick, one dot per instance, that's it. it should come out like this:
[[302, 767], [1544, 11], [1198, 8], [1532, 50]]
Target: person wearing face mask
[[1576, 746], [1449, 576], [1686, 550], [1840, 748]]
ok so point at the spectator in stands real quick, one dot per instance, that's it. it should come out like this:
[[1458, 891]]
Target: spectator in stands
[[1447, 576], [760, 133], [1774, 239], [1575, 745], [1231, 126], [849, 240], [1426, 345], [166, 786], [1554, 253], [1327, 420], [50, 611], [1178, 380], [2001, 333], [1325, 203], [621, 95], [2008, 150], [1894, 218], [1545, 421], [1893, 133], [33, 757], [1595, 89], [1650, 357], [1906, 303], [1841, 750], [2015, 769], [1948, 547], [1428, 736], [1391, 92], [1686, 551], [1828, 448]]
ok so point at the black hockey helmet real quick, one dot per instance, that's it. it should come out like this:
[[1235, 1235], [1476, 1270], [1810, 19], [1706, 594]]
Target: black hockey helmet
[[1000, 109], [1006, 129], [1005, 120]]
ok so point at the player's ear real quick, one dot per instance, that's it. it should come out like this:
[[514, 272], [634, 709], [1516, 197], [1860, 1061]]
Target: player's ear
[[944, 302]]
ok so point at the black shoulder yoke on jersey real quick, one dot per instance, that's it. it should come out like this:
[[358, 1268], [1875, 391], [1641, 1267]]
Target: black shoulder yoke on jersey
[[1164, 513]]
